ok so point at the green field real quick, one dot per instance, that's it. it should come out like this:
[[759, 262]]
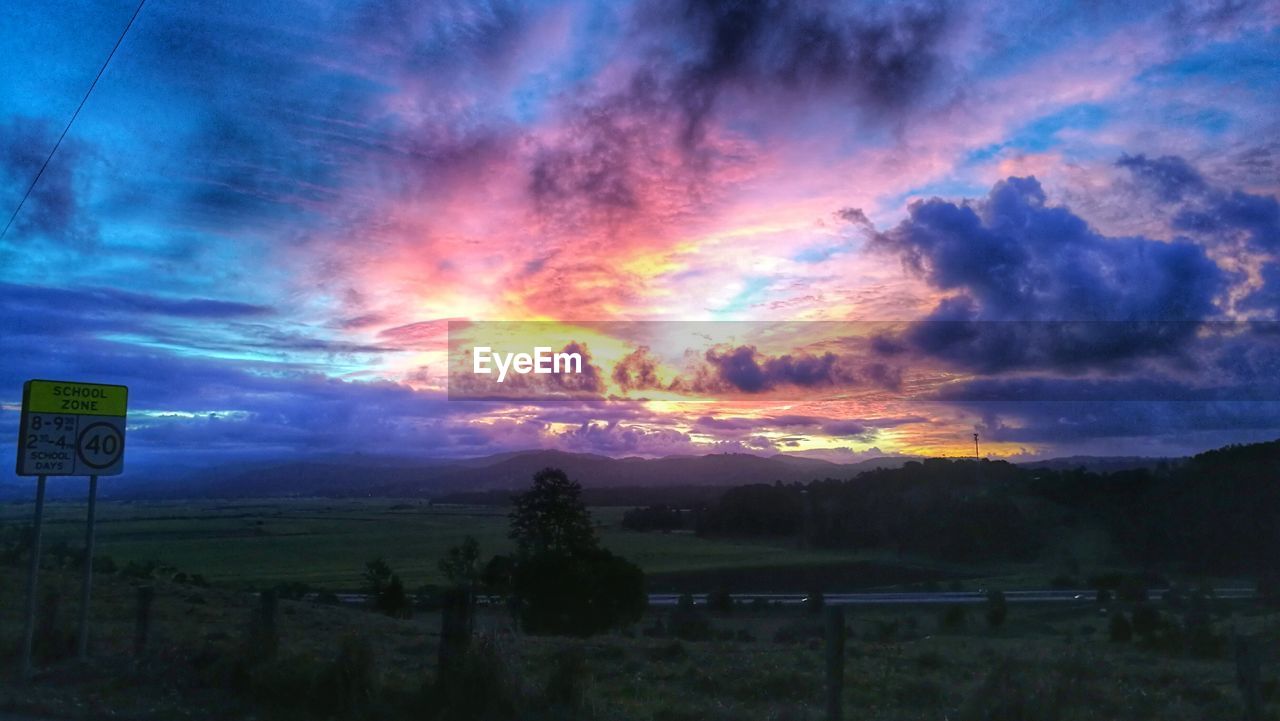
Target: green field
[[326, 542]]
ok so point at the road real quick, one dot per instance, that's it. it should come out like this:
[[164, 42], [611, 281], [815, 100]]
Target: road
[[894, 598]]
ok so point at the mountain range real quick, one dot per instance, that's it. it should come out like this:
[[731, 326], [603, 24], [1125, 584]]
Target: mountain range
[[359, 475]]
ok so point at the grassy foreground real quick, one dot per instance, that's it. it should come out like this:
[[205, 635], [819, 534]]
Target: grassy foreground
[[325, 542], [755, 663]]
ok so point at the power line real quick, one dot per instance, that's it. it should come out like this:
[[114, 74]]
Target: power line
[[74, 115]]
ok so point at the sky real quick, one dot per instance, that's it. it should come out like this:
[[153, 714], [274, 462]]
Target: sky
[[1052, 224]]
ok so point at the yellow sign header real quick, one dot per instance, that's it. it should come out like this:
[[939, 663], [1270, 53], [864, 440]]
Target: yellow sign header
[[84, 399]]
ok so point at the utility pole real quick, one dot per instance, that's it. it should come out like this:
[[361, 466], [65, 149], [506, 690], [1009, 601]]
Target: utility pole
[[977, 461]]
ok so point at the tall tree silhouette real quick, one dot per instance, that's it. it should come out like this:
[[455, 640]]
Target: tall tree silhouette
[[550, 517]]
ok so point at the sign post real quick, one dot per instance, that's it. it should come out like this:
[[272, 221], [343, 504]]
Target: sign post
[[68, 429], [86, 585], [33, 574]]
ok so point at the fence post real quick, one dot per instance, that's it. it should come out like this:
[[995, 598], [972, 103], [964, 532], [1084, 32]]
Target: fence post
[[835, 662], [1247, 674], [455, 630], [142, 629], [33, 576]]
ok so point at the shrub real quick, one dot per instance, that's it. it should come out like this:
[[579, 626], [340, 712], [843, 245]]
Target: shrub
[[578, 595], [720, 601], [484, 688], [568, 690], [1146, 620], [953, 618], [1006, 694], [52, 641], [814, 602], [997, 608], [394, 601], [687, 623], [349, 685], [798, 631], [673, 651], [1121, 630]]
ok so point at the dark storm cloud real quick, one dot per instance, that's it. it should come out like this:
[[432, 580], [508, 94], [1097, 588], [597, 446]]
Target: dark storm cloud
[[1012, 257], [1196, 423], [1256, 215], [879, 57], [1205, 208], [598, 163], [53, 208], [744, 369], [1169, 176]]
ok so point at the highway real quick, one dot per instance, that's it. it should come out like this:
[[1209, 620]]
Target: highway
[[892, 598]]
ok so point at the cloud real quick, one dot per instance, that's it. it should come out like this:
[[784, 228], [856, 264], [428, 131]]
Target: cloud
[[878, 59], [54, 208], [1012, 257], [638, 370], [744, 369], [1169, 176]]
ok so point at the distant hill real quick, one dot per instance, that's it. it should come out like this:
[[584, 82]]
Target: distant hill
[[1102, 464], [399, 477]]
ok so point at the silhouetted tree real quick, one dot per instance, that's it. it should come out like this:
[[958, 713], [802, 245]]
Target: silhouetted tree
[[551, 518], [386, 590], [561, 580], [460, 564]]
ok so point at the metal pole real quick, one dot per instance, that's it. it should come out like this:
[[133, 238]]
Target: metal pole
[[33, 572], [86, 588]]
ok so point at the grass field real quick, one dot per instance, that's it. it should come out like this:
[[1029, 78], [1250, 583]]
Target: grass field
[[1049, 663], [325, 543], [1043, 664]]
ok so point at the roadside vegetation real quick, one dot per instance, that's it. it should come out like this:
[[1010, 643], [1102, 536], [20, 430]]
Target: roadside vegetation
[[547, 618]]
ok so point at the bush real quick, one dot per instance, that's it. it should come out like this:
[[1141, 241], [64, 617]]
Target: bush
[[814, 602], [1008, 694], [997, 608], [1121, 630], [578, 595], [52, 641], [485, 687], [1146, 621], [953, 618], [569, 687], [798, 631], [687, 623], [720, 601], [349, 685]]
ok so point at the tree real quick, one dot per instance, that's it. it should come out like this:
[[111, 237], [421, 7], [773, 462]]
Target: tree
[[563, 582], [386, 590], [377, 574], [551, 518], [461, 563]]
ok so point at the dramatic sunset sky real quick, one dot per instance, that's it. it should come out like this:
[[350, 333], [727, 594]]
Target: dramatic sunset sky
[[267, 214]]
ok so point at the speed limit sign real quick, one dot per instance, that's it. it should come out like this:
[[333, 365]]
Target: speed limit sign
[[72, 429]]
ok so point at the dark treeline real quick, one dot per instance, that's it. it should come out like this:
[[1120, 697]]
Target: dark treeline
[[1218, 512]]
